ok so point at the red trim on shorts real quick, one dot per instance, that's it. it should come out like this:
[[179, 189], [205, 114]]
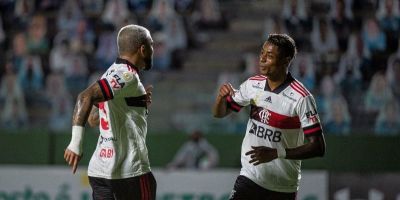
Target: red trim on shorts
[[143, 189]]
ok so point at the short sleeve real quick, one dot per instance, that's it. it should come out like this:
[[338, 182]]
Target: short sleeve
[[309, 118], [240, 99], [116, 79]]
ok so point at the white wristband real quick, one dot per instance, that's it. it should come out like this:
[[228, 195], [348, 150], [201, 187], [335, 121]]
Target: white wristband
[[281, 152], [76, 140]]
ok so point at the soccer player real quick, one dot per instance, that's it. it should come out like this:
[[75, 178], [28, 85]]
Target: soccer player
[[283, 114], [119, 167]]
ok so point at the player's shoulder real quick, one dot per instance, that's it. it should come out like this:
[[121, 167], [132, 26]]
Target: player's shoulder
[[256, 82], [123, 71], [298, 90], [257, 78]]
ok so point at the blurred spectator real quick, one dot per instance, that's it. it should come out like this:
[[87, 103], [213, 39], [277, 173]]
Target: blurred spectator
[[60, 54], [14, 113], [393, 76], [177, 41], [337, 119], [328, 91], [297, 21], [60, 102], [37, 41], [92, 8], [373, 37], [378, 93], [171, 35], [68, 16], [209, 15], [31, 76], [115, 12], [341, 19], [82, 38], [184, 7], [161, 13], [324, 44], [76, 73], [303, 69], [140, 8], [196, 153], [374, 40], [389, 20], [348, 76], [273, 24], [162, 54], [23, 10], [295, 15], [388, 120], [106, 51], [2, 33]]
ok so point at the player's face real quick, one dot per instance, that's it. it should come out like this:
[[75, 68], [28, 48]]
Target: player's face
[[270, 62]]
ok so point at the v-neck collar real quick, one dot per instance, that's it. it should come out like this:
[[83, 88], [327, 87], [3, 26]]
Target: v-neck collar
[[285, 84]]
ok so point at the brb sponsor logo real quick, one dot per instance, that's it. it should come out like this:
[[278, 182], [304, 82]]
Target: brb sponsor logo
[[265, 133]]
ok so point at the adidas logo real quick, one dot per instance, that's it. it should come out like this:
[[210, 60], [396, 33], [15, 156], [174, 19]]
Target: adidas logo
[[268, 99]]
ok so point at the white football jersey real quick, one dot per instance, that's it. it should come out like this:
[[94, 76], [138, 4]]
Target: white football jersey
[[121, 150], [278, 118]]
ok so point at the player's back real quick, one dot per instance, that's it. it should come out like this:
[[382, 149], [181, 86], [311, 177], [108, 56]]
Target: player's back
[[121, 151]]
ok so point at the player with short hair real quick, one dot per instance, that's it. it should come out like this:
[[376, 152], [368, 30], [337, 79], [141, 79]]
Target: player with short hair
[[283, 113], [119, 167]]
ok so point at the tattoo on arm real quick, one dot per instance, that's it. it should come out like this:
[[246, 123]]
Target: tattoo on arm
[[84, 103], [94, 117]]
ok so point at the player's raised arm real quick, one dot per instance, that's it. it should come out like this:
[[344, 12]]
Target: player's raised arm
[[84, 103], [220, 108]]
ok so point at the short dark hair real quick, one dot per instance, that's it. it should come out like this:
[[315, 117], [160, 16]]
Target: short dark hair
[[130, 38], [286, 45]]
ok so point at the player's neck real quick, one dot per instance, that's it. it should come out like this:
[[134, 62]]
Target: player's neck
[[131, 59], [274, 82]]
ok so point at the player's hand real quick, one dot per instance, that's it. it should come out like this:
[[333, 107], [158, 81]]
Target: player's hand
[[72, 159], [261, 154], [149, 90], [226, 90]]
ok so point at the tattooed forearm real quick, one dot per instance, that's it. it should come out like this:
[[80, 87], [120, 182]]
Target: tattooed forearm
[[84, 103], [94, 117]]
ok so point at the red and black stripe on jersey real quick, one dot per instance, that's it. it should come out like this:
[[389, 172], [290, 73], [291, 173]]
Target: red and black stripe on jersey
[[314, 129], [232, 104], [139, 101], [274, 119], [105, 89]]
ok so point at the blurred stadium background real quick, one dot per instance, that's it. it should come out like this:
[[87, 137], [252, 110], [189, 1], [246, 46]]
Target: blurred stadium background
[[349, 57]]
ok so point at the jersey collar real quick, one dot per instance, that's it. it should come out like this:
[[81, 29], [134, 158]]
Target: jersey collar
[[124, 61], [285, 84]]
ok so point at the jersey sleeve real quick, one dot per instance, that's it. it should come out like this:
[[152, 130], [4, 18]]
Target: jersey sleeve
[[115, 80], [239, 99], [309, 118]]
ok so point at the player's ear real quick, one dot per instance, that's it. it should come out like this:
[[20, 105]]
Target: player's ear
[[287, 60], [142, 50]]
